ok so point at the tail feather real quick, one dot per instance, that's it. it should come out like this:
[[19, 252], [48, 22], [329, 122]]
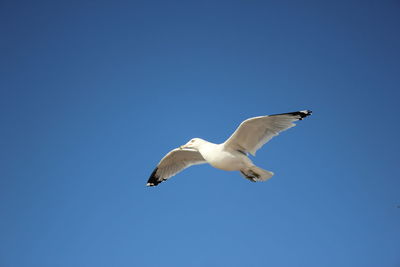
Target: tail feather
[[256, 174]]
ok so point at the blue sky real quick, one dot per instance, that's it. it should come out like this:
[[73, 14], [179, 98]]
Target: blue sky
[[94, 93]]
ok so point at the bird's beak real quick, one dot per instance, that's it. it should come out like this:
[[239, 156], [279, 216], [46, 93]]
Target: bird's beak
[[184, 146]]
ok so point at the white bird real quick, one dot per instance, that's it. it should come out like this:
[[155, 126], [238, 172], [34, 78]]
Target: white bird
[[232, 155]]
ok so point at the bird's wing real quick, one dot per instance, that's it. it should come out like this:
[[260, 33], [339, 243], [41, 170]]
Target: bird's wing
[[253, 133], [174, 162]]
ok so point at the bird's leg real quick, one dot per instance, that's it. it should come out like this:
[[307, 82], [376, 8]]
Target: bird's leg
[[250, 176]]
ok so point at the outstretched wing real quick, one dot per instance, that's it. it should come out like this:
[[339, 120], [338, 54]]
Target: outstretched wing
[[253, 133], [174, 162]]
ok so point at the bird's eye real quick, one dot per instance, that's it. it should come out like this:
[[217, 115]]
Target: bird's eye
[[191, 141]]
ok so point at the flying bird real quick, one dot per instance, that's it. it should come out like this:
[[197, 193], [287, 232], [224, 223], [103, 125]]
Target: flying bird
[[232, 155]]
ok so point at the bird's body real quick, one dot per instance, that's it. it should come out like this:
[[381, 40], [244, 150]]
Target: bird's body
[[221, 157], [232, 155]]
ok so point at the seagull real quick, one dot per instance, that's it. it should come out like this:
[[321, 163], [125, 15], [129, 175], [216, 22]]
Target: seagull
[[232, 155]]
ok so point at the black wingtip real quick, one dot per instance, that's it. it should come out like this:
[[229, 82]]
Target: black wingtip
[[302, 113], [154, 179]]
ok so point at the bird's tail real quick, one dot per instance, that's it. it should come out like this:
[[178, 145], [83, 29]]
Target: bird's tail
[[256, 174]]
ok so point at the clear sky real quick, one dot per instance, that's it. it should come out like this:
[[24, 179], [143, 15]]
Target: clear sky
[[95, 93]]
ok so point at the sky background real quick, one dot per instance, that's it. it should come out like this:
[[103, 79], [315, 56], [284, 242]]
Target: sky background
[[95, 93]]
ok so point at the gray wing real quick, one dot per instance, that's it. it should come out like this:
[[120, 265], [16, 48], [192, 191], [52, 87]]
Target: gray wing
[[174, 162], [253, 133]]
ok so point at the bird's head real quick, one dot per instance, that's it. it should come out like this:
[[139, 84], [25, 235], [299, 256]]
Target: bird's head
[[193, 143]]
